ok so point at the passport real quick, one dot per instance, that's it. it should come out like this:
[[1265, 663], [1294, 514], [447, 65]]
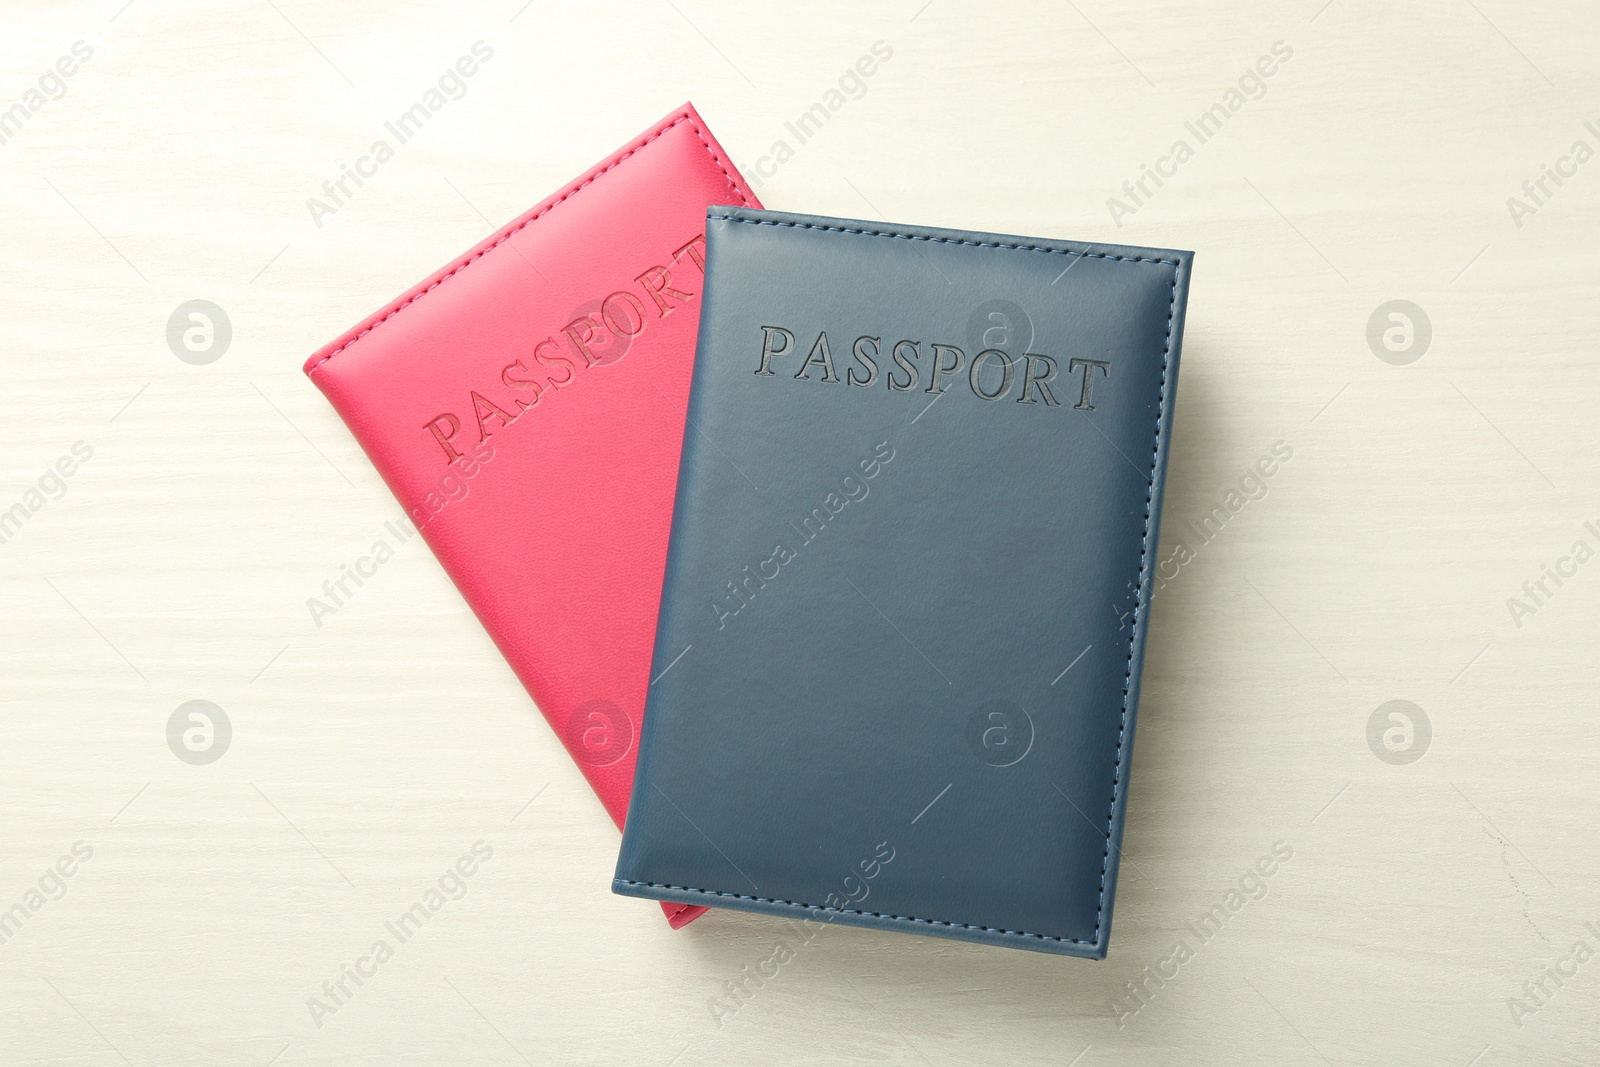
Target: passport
[[903, 618], [525, 403]]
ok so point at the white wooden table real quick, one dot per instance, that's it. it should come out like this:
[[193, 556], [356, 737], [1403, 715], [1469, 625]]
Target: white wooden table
[[1436, 462]]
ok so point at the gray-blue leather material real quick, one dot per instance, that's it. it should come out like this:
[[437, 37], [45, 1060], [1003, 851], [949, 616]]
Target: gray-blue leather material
[[897, 664]]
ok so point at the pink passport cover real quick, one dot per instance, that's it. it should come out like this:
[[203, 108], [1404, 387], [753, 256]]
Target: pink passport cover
[[526, 406]]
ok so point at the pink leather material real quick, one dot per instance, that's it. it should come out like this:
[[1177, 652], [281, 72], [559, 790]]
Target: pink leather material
[[535, 442]]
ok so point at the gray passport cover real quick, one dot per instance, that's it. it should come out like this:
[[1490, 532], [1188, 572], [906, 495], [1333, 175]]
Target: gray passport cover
[[907, 589]]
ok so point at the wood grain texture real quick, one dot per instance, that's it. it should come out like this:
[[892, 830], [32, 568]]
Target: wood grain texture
[[370, 752]]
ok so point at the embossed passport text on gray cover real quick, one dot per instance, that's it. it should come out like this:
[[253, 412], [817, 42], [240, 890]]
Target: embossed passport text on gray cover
[[908, 582]]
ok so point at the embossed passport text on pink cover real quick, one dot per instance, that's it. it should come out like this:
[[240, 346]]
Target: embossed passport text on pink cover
[[526, 405]]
